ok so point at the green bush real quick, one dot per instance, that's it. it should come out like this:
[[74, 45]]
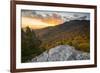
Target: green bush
[[84, 47], [81, 43]]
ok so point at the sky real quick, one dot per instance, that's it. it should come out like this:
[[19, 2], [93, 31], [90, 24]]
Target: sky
[[38, 19]]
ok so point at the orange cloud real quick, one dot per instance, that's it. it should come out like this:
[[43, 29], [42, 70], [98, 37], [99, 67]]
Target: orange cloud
[[38, 23]]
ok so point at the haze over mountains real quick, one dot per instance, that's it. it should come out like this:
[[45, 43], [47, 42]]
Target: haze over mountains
[[43, 19], [74, 26]]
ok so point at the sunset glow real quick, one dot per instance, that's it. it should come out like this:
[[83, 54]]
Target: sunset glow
[[37, 23], [42, 19]]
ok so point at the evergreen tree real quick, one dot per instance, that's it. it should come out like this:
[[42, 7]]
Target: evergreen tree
[[29, 44]]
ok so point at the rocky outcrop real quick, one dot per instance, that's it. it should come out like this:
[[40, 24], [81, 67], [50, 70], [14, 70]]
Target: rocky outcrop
[[62, 53]]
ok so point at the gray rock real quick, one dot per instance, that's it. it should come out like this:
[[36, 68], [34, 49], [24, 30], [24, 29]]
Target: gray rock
[[61, 53], [83, 56]]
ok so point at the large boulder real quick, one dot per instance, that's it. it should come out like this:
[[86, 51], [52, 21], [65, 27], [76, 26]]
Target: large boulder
[[62, 53]]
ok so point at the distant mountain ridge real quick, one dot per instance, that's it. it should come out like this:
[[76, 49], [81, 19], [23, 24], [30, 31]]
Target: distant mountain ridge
[[74, 32], [73, 25]]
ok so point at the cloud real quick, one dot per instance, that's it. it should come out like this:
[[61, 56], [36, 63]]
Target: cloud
[[65, 16]]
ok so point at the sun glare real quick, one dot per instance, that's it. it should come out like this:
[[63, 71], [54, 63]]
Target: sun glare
[[37, 23]]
